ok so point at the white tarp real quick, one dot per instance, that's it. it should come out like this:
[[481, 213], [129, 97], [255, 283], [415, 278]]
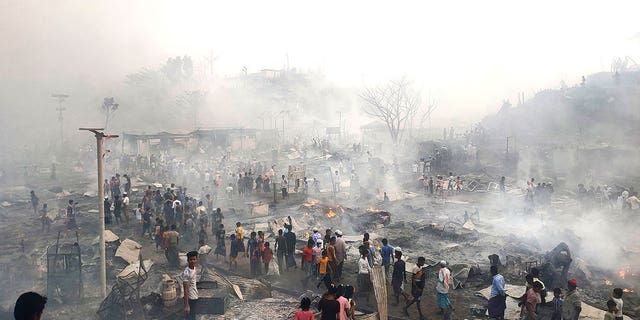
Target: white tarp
[[109, 236], [129, 250], [133, 268]]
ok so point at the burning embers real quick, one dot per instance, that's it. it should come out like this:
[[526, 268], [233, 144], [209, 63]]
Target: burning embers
[[623, 273], [609, 283], [311, 203], [332, 214]]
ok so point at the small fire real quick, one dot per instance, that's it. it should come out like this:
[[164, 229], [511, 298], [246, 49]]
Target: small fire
[[311, 203], [625, 290], [373, 210], [623, 271], [331, 213], [608, 282]]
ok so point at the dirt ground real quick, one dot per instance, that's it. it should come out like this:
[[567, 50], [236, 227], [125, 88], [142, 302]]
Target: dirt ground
[[422, 225]]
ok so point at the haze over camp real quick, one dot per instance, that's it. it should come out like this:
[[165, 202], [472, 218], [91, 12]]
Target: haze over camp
[[333, 160]]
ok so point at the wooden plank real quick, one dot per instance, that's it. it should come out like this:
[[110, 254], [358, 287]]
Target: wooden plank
[[380, 289]]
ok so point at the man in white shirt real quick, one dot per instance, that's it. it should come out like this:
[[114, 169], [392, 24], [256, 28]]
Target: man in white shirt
[[125, 207], [442, 289], [189, 285]]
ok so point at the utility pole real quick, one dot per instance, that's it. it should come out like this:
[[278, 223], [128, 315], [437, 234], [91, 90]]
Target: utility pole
[[103, 265], [60, 97]]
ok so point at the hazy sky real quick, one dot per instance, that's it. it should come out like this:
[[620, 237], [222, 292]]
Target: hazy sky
[[468, 54]]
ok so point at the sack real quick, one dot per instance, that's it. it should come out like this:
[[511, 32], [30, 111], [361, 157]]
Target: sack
[[273, 268]]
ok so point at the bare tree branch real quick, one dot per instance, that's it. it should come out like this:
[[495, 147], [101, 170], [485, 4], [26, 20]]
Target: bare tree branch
[[395, 104]]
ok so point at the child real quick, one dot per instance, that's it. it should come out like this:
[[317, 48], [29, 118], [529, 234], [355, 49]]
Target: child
[[557, 304], [317, 254], [267, 255], [611, 310], [304, 313], [322, 269], [617, 298], [239, 231]]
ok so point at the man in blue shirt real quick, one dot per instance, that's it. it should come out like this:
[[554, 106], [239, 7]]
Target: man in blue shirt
[[497, 301], [387, 257]]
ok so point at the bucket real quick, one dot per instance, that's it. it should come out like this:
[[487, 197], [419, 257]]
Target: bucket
[[169, 296]]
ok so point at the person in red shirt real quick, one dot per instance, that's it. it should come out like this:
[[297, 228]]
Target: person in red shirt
[[307, 257], [267, 255], [533, 299], [304, 313]]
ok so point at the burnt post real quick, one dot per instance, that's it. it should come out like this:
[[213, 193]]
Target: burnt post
[[100, 154]]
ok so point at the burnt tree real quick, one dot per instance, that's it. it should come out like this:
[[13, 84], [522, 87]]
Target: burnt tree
[[394, 104]]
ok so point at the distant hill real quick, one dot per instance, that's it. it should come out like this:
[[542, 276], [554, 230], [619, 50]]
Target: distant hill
[[604, 110]]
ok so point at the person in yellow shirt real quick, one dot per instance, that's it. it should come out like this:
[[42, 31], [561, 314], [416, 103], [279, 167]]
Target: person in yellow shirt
[[239, 231], [323, 266]]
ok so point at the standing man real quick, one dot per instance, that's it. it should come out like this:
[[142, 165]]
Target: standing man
[[117, 208], [107, 210], [125, 205], [417, 287], [127, 184], [291, 247], [284, 185], [253, 253], [34, 202], [281, 249], [497, 301], [315, 236], [189, 284], [216, 220], [172, 252], [341, 254], [442, 290], [399, 277], [71, 216], [46, 222], [146, 222], [386, 252], [572, 305]]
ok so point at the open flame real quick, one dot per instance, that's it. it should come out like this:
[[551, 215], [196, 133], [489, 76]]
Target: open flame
[[623, 271], [373, 210], [311, 203], [331, 213], [607, 282], [627, 290]]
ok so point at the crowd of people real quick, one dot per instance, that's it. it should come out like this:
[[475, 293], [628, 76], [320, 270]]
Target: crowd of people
[[176, 219]]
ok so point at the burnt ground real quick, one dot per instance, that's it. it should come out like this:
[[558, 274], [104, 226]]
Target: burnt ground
[[422, 226]]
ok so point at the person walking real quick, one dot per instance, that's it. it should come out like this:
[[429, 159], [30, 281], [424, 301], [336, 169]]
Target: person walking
[[417, 287], [399, 278], [386, 252], [498, 298], [442, 290]]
